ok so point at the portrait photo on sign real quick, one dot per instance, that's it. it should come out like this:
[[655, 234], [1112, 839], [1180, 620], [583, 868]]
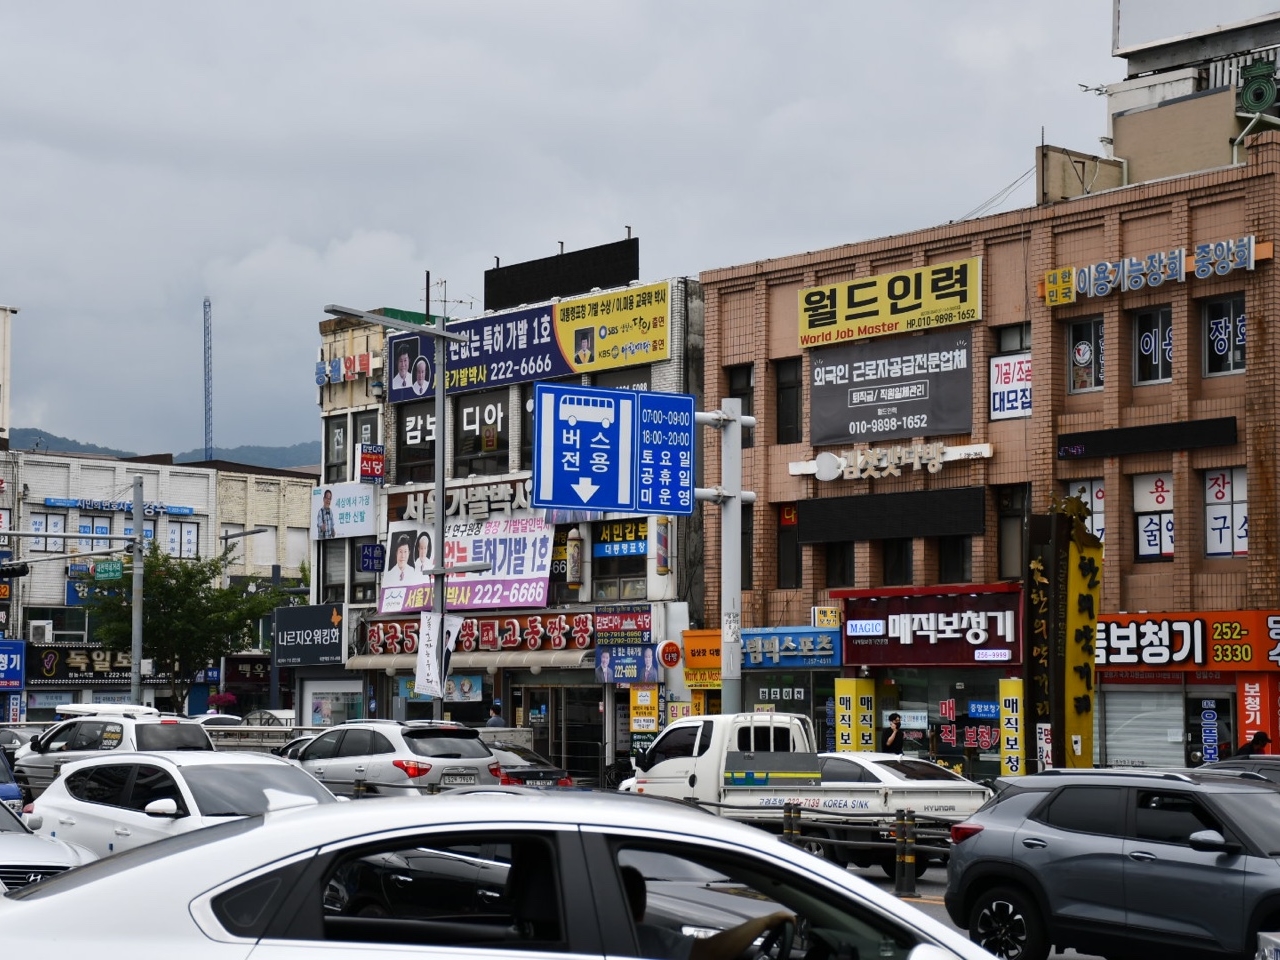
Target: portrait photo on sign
[[400, 565], [584, 345]]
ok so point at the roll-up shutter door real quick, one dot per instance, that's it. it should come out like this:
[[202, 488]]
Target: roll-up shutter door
[[1144, 726]]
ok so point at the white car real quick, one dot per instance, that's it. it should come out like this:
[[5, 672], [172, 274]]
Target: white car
[[27, 858], [121, 800], [485, 872], [218, 720]]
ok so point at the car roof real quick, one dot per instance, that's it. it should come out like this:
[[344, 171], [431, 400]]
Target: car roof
[[873, 757], [69, 710], [1189, 776], [180, 758]]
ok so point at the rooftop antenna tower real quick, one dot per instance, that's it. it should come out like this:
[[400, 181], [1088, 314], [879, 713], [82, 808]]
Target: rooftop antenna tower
[[208, 379]]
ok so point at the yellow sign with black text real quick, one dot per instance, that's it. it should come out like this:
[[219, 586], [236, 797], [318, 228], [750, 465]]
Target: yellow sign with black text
[[619, 329]]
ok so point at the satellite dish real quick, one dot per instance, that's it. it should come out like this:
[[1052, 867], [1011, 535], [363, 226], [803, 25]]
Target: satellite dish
[[829, 466]]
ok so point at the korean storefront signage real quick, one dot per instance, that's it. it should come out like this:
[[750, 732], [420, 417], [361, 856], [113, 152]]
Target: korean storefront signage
[[343, 510], [905, 301], [790, 648], [970, 731], [11, 660], [1010, 386], [1258, 696], [933, 629], [624, 623], [886, 389], [536, 631], [474, 501], [620, 538], [372, 460], [338, 369], [855, 720], [149, 509], [1084, 597], [1012, 744], [577, 335], [644, 708], [309, 636], [518, 550], [701, 659], [1232, 640], [1064, 285], [627, 663], [49, 665]]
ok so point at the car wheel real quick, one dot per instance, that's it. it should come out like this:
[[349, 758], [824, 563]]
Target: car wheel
[[811, 842], [1005, 921]]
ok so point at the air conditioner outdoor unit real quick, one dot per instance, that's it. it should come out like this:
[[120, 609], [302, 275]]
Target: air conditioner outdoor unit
[[42, 631]]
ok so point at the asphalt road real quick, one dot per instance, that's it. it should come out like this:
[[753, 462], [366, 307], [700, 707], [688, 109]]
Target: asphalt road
[[929, 890]]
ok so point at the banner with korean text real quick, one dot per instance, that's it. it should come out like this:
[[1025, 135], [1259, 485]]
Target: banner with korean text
[[905, 301], [1012, 745], [517, 548], [855, 721]]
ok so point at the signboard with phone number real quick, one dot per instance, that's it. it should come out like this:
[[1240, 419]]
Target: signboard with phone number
[[1188, 641]]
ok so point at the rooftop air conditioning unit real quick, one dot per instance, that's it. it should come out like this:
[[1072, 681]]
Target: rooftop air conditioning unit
[[42, 631]]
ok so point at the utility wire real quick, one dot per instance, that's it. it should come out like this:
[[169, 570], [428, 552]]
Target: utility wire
[[988, 204]]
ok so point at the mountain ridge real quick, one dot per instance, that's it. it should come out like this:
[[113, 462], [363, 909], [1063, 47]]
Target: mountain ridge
[[306, 454]]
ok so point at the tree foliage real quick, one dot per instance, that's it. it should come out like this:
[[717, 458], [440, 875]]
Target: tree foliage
[[188, 618]]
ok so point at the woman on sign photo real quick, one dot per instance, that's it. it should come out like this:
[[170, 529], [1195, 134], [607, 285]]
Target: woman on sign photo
[[401, 569]]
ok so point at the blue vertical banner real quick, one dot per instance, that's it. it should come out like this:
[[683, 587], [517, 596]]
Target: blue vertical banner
[[11, 664]]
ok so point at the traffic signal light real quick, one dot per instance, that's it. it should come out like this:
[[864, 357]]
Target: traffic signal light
[[8, 570]]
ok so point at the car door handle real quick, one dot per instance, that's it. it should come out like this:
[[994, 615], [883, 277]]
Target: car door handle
[[1142, 855], [360, 768], [1034, 843], [67, 821], [123, 832], [401, 880]]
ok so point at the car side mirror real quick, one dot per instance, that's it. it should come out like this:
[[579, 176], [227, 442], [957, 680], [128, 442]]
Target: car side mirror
[[33, 821], [1211, 841], [642, 762], [37, 745], [164, 807]]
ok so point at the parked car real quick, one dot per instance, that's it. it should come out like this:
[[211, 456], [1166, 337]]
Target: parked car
[[10, 793], [394, 757], [118, 800], [1121, 863], [1263, 764], [291, 749], [10, 741], [520, 766], [40, 760], [27, 858], [276, 885], [218, 720]]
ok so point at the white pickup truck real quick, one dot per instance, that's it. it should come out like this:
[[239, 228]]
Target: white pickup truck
[[747, 766]]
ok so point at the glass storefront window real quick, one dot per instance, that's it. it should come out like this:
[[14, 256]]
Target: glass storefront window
[[951, 715]]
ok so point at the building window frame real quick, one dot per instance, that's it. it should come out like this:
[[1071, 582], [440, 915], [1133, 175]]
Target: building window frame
[[898, 562], [788, 374], [1086, 355], [1153, 532], [469, 434], [337, 452], [741, 381], [1226, 513], [1011, 516], [94, 525], [955, 559], [333, 573], [416, 442], [53, 524], [1153, 346], [184, 539], [1224, 336], [1013, 338], [840, 563]]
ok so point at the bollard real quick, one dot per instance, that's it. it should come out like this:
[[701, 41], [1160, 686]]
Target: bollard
[[908, 866], [357, 789], [786, 823], [900, 852]]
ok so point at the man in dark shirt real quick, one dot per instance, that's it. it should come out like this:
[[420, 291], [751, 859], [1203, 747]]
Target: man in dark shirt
[[1255, 745], [893, 737]]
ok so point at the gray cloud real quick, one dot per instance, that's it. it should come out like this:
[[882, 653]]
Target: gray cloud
[[277, 157]]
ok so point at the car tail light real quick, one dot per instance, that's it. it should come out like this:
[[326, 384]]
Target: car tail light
[[495, 769], [168, 721], [565, 782], [963, 831], [508, 781], [412, 768]]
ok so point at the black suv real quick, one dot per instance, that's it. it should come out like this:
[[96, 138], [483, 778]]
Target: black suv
[[1122, 863]]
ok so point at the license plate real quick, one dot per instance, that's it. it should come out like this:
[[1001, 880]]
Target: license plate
[[539, 783], [458, 780]]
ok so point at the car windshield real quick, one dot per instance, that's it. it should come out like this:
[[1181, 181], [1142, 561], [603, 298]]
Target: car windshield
[[6, 775], [425, 743], [241, 790], [1257, 813], [172, 736], [918, 770], [9, 822]]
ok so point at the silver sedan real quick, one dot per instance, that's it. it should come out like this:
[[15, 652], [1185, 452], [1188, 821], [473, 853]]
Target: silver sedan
[[486, 872]]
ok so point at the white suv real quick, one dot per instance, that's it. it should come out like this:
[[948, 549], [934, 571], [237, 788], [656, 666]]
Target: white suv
[[392, 758], [40, 760]]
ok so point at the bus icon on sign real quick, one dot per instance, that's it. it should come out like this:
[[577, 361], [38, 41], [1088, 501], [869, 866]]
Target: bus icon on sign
[[596, 409]]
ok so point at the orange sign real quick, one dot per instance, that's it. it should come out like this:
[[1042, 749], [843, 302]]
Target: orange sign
[[702, 649], [1239, 640]]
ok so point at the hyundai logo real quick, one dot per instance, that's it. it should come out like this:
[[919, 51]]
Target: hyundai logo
[[34, 877]]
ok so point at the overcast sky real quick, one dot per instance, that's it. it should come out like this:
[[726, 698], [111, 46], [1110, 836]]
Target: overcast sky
[[278, 156]]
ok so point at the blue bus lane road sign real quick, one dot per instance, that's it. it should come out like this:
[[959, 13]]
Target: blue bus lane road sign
[[622, 451]]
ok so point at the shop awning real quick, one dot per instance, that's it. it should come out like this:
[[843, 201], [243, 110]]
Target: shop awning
[[480, 659]]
